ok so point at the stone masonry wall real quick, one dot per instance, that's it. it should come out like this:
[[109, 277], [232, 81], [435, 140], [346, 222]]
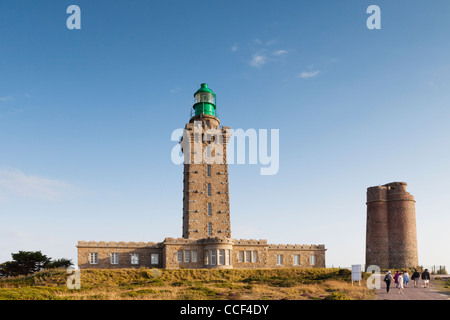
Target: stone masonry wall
[[124, 249], [391, 237], [377, 249], [196, 196], [255, 254]]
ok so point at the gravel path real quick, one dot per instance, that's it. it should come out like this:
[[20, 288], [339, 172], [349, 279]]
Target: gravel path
[[411, 293]]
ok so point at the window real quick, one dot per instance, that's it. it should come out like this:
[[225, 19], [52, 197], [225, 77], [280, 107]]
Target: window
[[180, 256], [213, 257], [221, 256], [208, 170], [209, 209], [209, 228], [248, 256], [187, 256], [154, 258], [206, 257], [296, 259], [114, 258], [93, 258], [194, 256], [134, 258], [279, 259], [312, 260], [227, 257], [241, 256], [207, 123], [209, 189], [254, 256]]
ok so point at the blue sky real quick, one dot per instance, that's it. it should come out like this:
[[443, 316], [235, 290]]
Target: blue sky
[[86, 118]]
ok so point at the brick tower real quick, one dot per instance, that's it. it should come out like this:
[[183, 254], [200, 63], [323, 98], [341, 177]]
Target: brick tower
[[206, 203], [391, 238]]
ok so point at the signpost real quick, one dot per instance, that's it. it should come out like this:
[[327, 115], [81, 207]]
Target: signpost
[[356, 273]]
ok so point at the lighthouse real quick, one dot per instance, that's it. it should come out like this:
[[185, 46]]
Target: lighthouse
[[206, 201], [206, 230]]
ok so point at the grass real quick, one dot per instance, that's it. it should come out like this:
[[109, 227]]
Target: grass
[[443, 284], [188, 284]]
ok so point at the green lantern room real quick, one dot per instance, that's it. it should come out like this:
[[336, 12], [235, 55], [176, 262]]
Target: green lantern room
[[205, 101]]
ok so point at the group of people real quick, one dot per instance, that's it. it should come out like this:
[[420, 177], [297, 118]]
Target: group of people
[[401, 279]]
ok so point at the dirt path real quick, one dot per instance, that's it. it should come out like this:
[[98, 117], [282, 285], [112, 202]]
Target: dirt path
[[411, 293]]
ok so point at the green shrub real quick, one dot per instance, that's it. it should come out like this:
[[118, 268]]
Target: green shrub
[[447, 283], [181, 283], [197, 292], [138, 293], [337, 296], [30, 293], [344, 273]]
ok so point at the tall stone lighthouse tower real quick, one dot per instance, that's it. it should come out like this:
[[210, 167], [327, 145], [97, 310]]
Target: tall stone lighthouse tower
[[391, 238], [206, 202]]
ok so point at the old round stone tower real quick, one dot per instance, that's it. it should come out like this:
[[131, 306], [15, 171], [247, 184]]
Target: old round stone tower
[[391, 236]]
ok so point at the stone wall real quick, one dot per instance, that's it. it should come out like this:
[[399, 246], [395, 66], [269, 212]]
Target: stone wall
[[402, 235], [196, 196], [246, 254], [170, 253], [124, 250], [391, 237], [377, 249]]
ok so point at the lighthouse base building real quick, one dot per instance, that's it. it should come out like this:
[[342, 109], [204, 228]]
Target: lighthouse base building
[[202, 253], [206, 236]]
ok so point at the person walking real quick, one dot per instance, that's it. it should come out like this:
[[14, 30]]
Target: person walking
[[406, 278], [415, 277], [400, 283], [426, 278], [388, 280], [396, 279]]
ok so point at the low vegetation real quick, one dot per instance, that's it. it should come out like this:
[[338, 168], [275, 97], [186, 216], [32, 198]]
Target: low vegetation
[[187, 284], [443, 284]]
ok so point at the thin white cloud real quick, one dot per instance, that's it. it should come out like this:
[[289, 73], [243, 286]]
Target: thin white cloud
[[258, 60], [279, 52], [234, 47], [263, 54], [309, 74], [4, 99], [15, 183], [267, 43]]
